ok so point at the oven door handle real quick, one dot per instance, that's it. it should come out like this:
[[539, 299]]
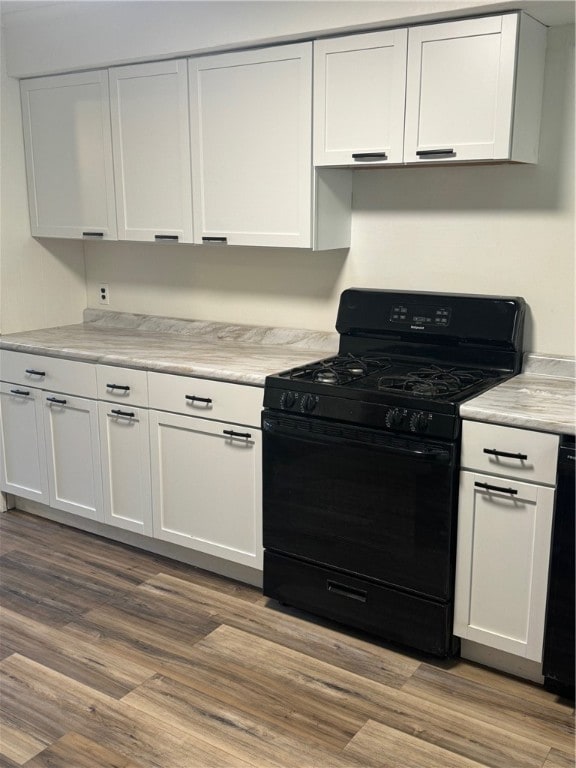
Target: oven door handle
[[319, 432]]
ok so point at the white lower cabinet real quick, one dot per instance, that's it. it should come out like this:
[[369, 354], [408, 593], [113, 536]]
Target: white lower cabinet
[[23, 454], [189, 474], [206, 486], [504, 534], [125, 454], [73, 454]]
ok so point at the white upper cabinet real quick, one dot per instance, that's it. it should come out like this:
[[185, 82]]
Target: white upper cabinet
[[151, 140], [474, 90], [251, 117], [68, 149], [359, 94]]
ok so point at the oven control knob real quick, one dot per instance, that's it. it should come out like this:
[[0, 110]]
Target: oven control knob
[[287, 400], [419, 422], [308, 403], [395, 417]]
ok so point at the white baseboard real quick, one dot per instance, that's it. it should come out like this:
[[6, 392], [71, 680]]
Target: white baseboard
[[505, 662]]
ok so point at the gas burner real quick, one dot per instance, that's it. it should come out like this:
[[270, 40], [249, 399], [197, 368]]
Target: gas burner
[[341, 369], [326, 376], [433, 381]]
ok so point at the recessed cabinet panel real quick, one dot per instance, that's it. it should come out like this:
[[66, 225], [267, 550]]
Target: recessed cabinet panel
[[22, 453], [150, 130], [251, 114], [68, 147], [359, 93], [502, 565], [73, 454], [125, 450], [467, 93], [206, 486]]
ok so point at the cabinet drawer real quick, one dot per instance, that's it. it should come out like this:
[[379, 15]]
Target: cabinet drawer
[[122, 385], [219, 400], [54, 373], [510, 452]]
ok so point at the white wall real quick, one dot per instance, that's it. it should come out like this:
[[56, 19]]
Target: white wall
[[486, 229], [494, 229], [41, 283], [93, 33]]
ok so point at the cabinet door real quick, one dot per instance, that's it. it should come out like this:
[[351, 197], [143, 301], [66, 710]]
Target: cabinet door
[[460, 84], [125, 450], [359, 93], [251, 113], [73, 454], [503, 552], [206, 486], [68, 149], [23, 455], [151, 138]]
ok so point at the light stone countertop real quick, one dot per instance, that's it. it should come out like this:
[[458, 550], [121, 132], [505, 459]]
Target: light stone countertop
[[542, 397], [237, 353]]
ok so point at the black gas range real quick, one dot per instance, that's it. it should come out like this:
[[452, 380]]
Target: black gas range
[[406, 361], [361, 460]]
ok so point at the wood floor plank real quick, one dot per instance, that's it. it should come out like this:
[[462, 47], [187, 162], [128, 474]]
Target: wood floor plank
[[29, 533], [246, 736], [378, 746], [324, 705], [545, 723], [85, 662], [17, 745], [116, 658], [151, 632], [559, 759], [514, 686], [123, 729], [76, 751], [44, 590], [324, 642]]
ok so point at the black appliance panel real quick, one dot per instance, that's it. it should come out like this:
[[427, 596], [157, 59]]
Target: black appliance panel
[[559, 642], [401, 617], [362, 501], [453, 318]]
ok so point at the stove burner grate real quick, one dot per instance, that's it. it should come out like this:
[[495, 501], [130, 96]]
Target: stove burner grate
[[433, 381]]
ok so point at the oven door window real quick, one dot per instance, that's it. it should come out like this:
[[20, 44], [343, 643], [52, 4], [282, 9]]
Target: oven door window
[[361, 501]]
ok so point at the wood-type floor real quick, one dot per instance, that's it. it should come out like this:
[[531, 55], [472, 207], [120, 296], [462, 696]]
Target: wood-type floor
[[115, 658]]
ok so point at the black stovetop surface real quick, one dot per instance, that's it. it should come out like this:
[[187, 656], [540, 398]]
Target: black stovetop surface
[[377, 377]]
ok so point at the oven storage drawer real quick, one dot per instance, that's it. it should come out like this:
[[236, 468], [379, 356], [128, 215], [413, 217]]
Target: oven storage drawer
[[398, 616]]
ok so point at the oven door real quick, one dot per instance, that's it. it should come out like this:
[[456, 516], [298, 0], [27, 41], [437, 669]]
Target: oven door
[[362, 501]]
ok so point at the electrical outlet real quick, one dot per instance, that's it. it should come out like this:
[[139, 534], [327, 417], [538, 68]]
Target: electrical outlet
[[103, 294]]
